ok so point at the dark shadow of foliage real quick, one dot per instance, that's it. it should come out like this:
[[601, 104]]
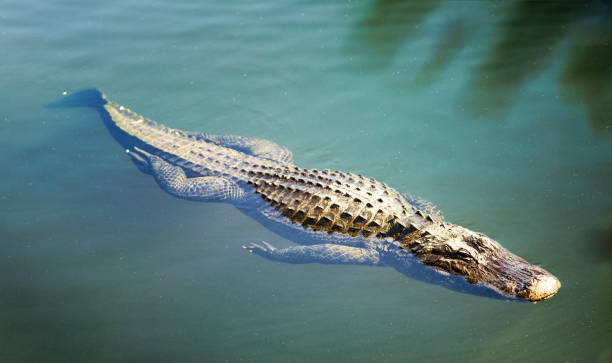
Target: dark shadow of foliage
[[390, 24], [587, 73], [526, 41], [454, 38], [601, 243]]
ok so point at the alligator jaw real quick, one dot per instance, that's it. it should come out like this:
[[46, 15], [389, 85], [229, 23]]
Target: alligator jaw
[[481, 260]]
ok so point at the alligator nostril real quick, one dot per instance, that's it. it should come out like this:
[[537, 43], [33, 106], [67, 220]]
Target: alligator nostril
[[543, 287]]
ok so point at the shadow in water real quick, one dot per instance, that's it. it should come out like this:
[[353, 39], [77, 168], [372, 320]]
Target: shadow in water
[[526, 42], [390, 23], [454, 37], [94, 98], [408, 264], [527, 39], [601, 242], [427, 274], [587, 73]]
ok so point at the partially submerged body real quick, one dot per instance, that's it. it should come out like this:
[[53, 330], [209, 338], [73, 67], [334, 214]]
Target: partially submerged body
[[335, 217]]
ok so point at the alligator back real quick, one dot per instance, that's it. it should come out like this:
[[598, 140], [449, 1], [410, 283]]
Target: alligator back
[[189, 150], [337, 202], [240, 170], [334, 202], [319, 200]]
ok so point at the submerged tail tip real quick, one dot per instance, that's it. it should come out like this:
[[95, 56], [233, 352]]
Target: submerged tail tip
[[91, 97]]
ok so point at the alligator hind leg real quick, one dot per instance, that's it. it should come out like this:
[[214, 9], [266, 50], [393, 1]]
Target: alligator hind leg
[[173, 180], [323, 253], [252, 146]]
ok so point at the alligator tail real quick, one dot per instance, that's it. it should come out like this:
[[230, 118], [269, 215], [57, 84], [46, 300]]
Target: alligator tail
[[92, 97], [95, 99]]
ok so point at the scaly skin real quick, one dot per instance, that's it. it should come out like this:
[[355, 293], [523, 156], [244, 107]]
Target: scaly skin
[[335, 217]]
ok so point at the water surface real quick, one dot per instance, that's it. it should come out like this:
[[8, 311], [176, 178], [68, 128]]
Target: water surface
[[498, 113]]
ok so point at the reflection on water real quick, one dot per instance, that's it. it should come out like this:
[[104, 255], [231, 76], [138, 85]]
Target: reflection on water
[[388, 25], [527, 41], [98, 264], [602, 241], [453, 38], [587, 73]]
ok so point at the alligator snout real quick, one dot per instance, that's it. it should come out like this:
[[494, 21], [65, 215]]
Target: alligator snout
[[481, 260], [540, 288]]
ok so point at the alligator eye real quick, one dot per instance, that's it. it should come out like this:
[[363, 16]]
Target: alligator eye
[[465, 255], [463, 252], [442, 250]]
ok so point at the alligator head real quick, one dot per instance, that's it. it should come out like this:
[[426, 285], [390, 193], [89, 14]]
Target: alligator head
[[457, 250]]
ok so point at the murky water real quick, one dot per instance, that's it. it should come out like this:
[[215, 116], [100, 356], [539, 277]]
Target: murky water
[[497, 112]]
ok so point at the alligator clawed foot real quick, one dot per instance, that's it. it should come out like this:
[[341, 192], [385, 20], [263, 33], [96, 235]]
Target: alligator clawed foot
[[141, 158], [264, 248]]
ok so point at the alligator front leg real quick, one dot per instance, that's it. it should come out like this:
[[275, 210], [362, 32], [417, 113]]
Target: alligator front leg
[[173, 180], [323, 253]]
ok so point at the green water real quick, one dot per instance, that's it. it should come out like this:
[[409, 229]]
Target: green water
[[499, 112]]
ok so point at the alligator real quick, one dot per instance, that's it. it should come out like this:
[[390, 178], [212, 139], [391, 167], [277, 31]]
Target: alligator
[[334, 217]]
